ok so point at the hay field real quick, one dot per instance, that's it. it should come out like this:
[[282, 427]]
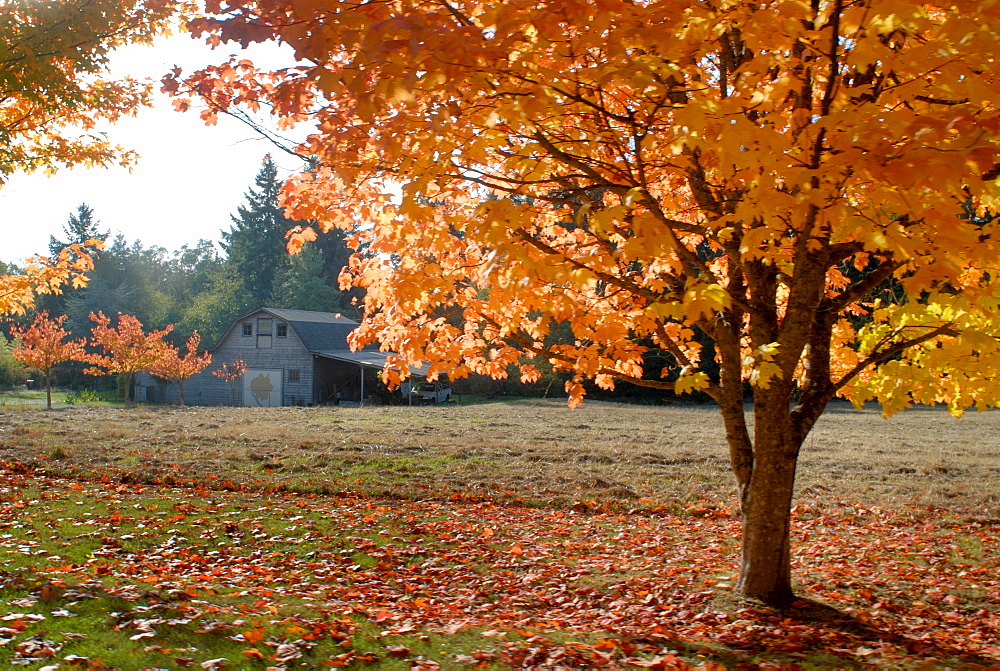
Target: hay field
[[534, 451]]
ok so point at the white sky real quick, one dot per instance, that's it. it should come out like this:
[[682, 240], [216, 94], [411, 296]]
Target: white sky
[[190, 177]]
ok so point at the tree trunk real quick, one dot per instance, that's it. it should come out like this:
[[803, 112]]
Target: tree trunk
[[48, 391], [180, 391], [127, 378], [765, 572]]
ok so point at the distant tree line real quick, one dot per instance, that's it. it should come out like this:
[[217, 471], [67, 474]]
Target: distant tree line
[[198, 288]]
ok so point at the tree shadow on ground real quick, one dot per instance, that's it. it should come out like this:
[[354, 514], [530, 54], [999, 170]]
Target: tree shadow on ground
[[804, 610]]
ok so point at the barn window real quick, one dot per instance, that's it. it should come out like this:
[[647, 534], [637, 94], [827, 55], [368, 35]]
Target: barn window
[[293, 376], [264, 325], [263, 341], [248, 329], [282, 330]]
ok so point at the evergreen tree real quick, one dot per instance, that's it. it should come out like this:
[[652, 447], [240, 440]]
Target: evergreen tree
[[81, 227], [300, 284], [255, 244]]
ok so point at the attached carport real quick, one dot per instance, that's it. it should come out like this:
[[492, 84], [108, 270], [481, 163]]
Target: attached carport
[[353, 377]]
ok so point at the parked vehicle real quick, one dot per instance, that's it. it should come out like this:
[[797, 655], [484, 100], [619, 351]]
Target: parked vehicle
[[431, 393]]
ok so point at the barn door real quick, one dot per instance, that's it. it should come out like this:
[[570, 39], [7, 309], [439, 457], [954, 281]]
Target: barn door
[[261, 388]]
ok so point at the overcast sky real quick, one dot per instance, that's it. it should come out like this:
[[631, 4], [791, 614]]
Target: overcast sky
[[189, 179]]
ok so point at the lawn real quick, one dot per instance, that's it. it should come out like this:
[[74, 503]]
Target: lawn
[[513, 534]]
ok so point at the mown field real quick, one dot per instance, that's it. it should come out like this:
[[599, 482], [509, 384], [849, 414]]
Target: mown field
[[502, 534]]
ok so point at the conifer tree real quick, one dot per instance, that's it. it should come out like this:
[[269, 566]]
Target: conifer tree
[[300, 284], [81, 227], [256, 242]]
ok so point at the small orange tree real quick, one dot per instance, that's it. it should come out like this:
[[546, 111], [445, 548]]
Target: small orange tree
[[177, 368], [231, 372], [43, 345], [127, 348]]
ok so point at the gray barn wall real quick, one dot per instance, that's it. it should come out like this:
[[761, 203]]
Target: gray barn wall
[[286, 353]]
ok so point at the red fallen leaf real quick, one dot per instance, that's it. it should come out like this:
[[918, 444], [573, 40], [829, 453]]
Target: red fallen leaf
[[184, 661], [255, 635], [62, 568], [342, 659], [49, 592], [397, 651], [516, 550], [368, 658], [382, 616], [607, 644], [253, 653], [487, 532]]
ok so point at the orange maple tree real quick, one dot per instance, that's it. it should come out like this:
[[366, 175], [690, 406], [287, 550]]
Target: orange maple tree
[[127, 349], [231, 373], [728, 184], [176, 367], [43, 345]]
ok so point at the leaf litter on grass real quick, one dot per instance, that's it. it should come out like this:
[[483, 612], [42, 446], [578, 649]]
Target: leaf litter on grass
[[175, 577]]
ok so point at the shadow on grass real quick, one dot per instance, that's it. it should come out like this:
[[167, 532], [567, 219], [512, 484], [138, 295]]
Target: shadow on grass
[[819, 614]]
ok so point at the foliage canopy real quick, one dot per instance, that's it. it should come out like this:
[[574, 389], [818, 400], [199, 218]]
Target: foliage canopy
[[54, 84], [43, 345], [659, 175]]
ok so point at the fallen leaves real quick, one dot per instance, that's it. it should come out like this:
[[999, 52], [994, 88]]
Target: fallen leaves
[[336, 581]]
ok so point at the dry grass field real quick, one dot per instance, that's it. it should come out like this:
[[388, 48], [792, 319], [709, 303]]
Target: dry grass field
[[603, 455]]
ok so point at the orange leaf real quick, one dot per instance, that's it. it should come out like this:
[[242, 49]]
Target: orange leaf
[[255, 635]]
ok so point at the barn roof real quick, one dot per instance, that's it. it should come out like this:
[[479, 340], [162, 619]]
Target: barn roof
[[310, 316], [318, 331]]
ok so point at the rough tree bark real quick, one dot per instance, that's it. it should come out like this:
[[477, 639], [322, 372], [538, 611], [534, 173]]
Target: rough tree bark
[[765, 569]]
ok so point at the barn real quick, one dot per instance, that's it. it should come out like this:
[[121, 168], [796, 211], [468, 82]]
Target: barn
[[293, 357]]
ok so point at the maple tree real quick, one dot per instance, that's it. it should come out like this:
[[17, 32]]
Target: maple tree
[[176, 367], [231, 374], [54, 84], [127, 349], [41, 275], [725, 182], [43, 345]]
